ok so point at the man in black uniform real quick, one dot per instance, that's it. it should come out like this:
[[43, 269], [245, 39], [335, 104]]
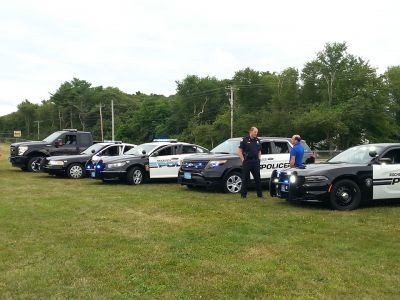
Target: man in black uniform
[[250, 154]]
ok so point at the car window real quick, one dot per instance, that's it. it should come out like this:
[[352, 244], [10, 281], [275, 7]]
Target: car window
[[84, 139], [201, 150], [187, 149], [127, 148], [305, 146], [70, 139], [111, 151], [281, 147], [266, 148], [394, 155], [165, 151]]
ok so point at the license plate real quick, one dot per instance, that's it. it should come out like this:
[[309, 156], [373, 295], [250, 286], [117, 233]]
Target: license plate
[[93, 174], [187, 175], [283, 188]]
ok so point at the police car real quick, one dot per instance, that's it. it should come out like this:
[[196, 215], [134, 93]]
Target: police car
[[74, 165], [359, 174], [223, 167], [160, 159]]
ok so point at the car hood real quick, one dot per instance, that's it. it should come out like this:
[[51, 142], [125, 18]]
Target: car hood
[[321, 169], [211, 156], [32, 143]]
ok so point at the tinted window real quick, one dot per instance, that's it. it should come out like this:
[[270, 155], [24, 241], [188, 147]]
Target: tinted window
[[394, 155], [281, 147], [266, 148], [165, 151], [84, 139], [111, 151], [189, 149], [70, 139], [127, 148]]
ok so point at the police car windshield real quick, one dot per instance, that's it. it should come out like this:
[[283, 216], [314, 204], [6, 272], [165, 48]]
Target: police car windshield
[[138, 151], [229, 147], [53, 137], [95, 147], [356, 155]]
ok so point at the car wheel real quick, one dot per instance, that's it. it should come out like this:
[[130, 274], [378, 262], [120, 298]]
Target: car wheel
[[34, 164], [75, 171], [345, 195], [135, 176], [233, 183]]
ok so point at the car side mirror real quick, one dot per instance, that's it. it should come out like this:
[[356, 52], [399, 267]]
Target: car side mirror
[[144, 152], [373, 153], [93, 151], [58, 143], [385, 160]]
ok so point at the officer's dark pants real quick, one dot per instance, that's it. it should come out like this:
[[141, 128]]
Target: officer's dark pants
[[252, 166]]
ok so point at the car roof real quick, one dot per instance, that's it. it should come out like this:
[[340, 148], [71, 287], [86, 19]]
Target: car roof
[[262, 138], [167, 143]]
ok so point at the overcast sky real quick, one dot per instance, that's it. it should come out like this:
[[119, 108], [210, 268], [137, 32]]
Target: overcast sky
[[147, 45]]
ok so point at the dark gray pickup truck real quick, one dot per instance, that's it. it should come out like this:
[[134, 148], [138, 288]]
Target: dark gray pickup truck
[[28, 155]]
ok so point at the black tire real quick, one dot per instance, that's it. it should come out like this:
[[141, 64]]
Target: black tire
[[75, 171], [135, 176], [34, 164], [345, 195], [233, 183]]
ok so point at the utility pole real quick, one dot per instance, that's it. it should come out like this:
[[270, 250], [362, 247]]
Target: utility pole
[[112, 119], [70, 114], [101, 122], [232, 89], [38, 129]]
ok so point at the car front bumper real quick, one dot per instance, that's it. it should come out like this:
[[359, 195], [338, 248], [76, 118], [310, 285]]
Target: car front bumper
[[198, 179], [53, 170], [281, 187], [19, 161]]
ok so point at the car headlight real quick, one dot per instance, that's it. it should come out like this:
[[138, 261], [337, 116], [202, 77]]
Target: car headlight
[[315, 179], [215, 163], [116, 165], [292, 178], [56, 163], [22, 150]]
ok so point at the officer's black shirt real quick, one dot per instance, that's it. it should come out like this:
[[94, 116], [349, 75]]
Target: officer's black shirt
[[251, 147]]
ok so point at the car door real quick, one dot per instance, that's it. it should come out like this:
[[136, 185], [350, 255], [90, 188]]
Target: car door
[[113, 150], [67, 145], [386, 176], [281, 153], [164, 163], [266, 159]]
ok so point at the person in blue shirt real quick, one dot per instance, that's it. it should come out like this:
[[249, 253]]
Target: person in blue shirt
[[297, 152]]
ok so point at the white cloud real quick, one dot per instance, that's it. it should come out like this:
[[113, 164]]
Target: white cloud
[[148, 45]]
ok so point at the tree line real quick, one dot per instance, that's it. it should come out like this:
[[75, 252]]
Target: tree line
[[337, 100]]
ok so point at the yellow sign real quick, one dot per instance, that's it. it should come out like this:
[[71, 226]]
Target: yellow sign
[[17, 133]]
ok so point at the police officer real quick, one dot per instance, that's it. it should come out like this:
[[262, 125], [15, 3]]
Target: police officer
[[297, 152], [250, 154]]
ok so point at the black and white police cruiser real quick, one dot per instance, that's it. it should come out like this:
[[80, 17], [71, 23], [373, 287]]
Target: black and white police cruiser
[[223, 168], [74, 165], [359, 174], [160, 159]]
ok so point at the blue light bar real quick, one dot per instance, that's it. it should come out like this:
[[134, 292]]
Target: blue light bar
[[165, 140]]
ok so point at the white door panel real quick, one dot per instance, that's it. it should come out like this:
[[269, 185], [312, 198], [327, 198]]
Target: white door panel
[[386, 181], [166, 166]]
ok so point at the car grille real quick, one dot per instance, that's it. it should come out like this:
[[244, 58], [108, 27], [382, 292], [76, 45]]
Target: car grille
[[13, 151], [194, 165]]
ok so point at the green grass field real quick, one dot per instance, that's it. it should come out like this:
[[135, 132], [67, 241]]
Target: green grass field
[[62, 238]]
